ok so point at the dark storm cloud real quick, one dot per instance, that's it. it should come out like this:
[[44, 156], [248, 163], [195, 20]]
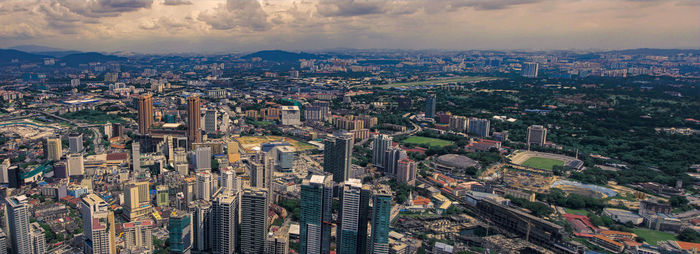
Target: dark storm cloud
[[488, 4], [349, 8], [104, 8]]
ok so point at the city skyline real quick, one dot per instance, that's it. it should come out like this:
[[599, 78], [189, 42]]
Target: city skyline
[[210, 26]]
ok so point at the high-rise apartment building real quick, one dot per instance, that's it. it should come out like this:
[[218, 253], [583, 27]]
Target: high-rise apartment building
[[277, 242], [337, 156], [382, 142], [194, 134], [17, 208], [315, 222], [430, 102], [204, 185], [75, 165], [354, 206], [254, 208], [381, 219], [202, 227], [38, 238], [98, 225], [225, 220], [145, 111], [75, 143], [202, 158], [530, 70], [53, 149], [180, 232], [291, 115], [537, 135], [406, 172], [138, 235], [458, 123], [479, 127], [392, 155], [210, 123]]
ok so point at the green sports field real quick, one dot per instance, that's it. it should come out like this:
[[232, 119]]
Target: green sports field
[[653, 236], [416, 140], [542, 163]]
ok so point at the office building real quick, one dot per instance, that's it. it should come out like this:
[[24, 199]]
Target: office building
[[381, 219], [257, 171], [442, 248], [352, 214], [194, 134], [136, 200], [225, 220], [430, 102], [284, 157], [98, 225], [406, 171], [75, 165], [229, 181], [458, 123], [203, 158], [204, 185], [53, 149], [314, 224], [138, 235], [313, 114], [536, 135], [530, 70], [5, 171], [291, 115], [254, 209], [136, 157], [3, 242], [479, 127], [210, 126], [382, 142], [17, 209], [337, 156], [75, 143], [180, 232], [391, 159], [145, 111]]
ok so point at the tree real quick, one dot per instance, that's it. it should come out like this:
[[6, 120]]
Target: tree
[[678, 201], [689, 235]]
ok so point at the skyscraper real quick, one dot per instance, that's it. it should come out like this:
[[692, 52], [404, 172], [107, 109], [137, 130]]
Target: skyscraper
[[430, 105], [138, 235], [381, 143], [536, 134], [18, 224], [53, 150], [315, 222], [210, 121], [75, 165], [229, 182], [98, 225], [530, 70], [136, 200], [180, 228], [337, 156], [204, 182], [38, 238], [350, 216], [75, 143], [392, 155], [406, 172], [479, 127], [225, 220], [145, 110], [136, 157], [202, 227], [203, 158], [381, 219], [194, 135], [254, 206]]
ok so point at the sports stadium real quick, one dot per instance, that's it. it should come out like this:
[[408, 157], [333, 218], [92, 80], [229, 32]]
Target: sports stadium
[[543, 161]]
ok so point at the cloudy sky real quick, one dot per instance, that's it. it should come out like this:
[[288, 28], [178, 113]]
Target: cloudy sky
[[163, 26]]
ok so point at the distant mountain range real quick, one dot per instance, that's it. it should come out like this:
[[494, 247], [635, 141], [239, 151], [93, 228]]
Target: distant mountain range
[[281, 56], [71, 58]]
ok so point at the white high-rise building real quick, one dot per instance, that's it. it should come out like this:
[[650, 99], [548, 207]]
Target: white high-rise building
[[254, 208], [204, 182], [75, 165], [75, 143], [4, 174], [38, 238], [136, 157], [229, 182], [98, 225], [138, 235], [291, 115]]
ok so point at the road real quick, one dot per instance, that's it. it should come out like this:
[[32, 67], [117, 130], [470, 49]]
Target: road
[[416, 129], [97, 140]]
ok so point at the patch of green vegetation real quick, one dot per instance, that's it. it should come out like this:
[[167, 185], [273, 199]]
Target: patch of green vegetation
[[542, 163], [576, 211], [435, 82], [653, 236], [417, 140]]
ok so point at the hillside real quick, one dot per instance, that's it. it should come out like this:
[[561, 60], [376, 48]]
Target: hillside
[[280, 56]]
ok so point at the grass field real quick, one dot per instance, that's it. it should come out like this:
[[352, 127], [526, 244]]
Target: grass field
[[653, 236], [416, 140], [435, 82], [542, 163], [249, 142]]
